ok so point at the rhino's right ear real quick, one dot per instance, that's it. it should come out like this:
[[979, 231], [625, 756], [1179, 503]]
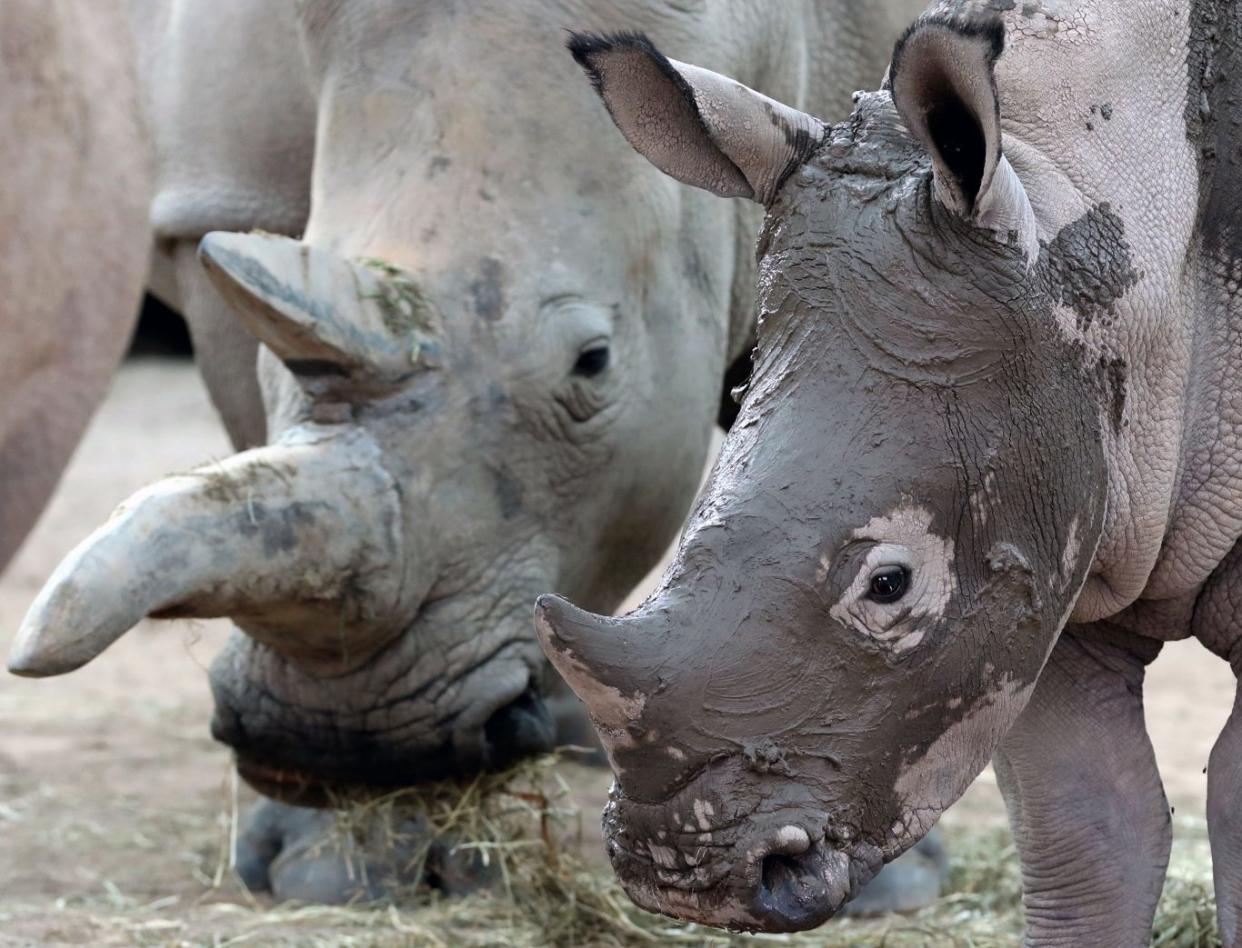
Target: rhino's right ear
[[319, 313], [697, 126]]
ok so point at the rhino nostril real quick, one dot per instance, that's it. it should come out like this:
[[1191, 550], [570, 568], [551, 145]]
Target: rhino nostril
[[801, 885], [521, 727], [780, 876]]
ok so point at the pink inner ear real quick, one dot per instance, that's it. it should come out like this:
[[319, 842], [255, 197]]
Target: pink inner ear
[[655, 109], [695, 125]]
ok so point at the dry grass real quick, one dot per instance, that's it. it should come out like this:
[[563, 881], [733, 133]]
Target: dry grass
[[519, 827]]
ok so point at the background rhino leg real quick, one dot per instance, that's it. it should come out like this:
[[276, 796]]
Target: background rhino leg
[[909, 883], [226, 353], [1085, 800], [308, 855]]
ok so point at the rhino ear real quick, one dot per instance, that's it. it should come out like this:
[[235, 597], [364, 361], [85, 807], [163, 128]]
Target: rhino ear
[[319, 313], [697, 126], [943, 83]]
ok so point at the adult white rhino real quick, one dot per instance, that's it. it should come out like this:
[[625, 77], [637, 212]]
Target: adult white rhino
[[492, 365], [73, 233]]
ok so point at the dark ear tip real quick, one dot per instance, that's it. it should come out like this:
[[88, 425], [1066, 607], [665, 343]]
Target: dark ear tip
[[582, 45], [988, 27], [585, 45]]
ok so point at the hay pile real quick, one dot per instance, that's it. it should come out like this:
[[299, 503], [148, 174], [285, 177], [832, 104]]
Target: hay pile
[[518, 824], [521, 827]]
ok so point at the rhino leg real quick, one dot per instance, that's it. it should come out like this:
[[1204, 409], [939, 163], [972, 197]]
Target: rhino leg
[[226, 352], [1085, 800], [1224, 801], [307, 855], [909, 883], [1216, 626]]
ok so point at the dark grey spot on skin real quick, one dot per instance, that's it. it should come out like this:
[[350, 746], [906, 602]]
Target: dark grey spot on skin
[[486, 195], [508, 492], [254, 274], [315, 367], [488, 290], [1087, 266], [1001, 6], [1214, 122], [438, 164], [1205, 22], [1030, 9], [1090, 127], [1106, 110], [278, 530]]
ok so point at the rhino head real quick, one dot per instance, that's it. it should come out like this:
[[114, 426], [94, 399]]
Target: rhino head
[[485, 376], [899, 522]]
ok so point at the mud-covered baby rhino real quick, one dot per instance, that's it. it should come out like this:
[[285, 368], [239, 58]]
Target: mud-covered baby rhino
[[990, 458]]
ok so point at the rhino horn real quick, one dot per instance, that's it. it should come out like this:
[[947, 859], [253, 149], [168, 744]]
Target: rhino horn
[[321, 314], [271, 537], [600, 658]]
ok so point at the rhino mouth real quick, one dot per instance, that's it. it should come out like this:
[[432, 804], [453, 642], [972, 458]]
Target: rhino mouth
[[781, 871], [781, 881], [313, 740]]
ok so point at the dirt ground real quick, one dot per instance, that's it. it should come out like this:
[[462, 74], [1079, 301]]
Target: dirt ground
[[115, 804]]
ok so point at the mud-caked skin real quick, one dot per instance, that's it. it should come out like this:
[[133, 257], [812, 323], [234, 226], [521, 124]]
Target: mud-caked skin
[[985, 465], [490, 368]]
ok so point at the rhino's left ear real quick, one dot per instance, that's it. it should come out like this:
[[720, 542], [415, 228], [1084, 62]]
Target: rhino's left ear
[[698, 126], [944, 86]]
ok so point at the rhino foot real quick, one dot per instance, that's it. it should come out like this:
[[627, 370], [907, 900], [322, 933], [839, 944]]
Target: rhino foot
[[309, 855], [909, 883]]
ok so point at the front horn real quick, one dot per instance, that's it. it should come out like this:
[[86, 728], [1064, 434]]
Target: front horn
[[275, 538], [599, 658]]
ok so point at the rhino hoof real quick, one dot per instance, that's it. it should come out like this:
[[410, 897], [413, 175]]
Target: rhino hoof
[[305, 855]]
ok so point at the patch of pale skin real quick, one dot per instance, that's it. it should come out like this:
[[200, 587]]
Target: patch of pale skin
[[610, 709], [663, 856], [903, 537], [1069, 556], [983, 499], [933, 783], [702, 811]]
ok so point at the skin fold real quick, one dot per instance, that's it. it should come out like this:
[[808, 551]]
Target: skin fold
[[489, 367], [985, 466]]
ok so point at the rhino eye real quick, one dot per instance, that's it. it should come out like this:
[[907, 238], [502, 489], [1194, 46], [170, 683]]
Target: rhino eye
[[591, 362], [888, 584]]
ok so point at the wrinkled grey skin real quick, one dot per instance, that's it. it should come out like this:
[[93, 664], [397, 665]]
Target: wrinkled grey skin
[[75, 185], [993, 355], [438, 455]]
